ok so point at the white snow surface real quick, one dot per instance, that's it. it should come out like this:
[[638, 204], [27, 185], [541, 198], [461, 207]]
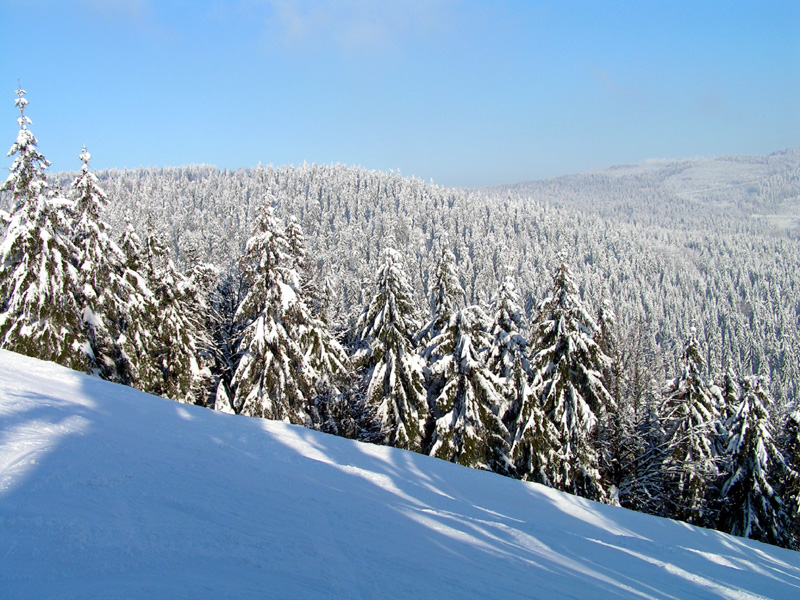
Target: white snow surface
[[106, 492]]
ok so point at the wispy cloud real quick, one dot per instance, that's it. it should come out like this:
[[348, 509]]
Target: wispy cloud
[[137, 10], [356, 24]]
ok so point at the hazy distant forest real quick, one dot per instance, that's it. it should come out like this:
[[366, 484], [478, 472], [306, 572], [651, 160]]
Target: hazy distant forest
[[631, 335]]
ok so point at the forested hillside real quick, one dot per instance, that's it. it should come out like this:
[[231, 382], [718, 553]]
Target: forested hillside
[[704, 243]]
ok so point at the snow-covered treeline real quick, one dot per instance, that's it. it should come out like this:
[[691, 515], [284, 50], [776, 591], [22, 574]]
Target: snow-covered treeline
[[486, 328]]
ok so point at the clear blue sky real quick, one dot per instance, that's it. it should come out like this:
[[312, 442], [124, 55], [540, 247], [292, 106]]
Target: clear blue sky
[[472, 92]]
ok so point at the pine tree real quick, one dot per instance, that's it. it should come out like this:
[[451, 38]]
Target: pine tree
[[467, 430], [100, 264], [447, 297], [642, 487], [569, 364], [39, 312], [273, 379], [535, 449], [689, 420], [508, 344], [179, 334], [325, 355], [753, 506], [790, 446], [137, 342], [394, 372]]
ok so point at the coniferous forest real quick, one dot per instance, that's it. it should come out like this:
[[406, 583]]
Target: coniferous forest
[[630, 336]]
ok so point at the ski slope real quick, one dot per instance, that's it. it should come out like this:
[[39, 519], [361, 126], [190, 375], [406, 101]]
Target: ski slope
[[106, 492]]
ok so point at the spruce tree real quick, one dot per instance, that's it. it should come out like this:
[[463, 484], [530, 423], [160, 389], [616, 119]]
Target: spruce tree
[[273, 379], [642, 487], [535, 449], [569, 365], [40, 315], [137, 338], [467, 428], [100, 264], [689, 419], [447, 297], [790, 446], [179, 334], [752, 504], [508, 344], [394, 372]]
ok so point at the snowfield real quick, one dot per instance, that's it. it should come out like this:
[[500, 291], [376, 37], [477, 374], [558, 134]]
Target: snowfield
[[106, 492]]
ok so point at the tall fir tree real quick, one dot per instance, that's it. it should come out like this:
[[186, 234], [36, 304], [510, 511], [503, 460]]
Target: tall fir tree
[[179, 334], [447, 297], [100, 264], [569, 365], [689, 419], [508, 343], [535, 449], [40, 315], [395, 380], [467, 428], [136, 343], [272, 379], [752, 503], [790, 447]]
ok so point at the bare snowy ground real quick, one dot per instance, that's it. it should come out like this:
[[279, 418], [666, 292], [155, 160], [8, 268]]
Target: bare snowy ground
[[106, 492]]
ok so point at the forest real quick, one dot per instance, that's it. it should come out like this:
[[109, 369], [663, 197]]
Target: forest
[[629, 336]]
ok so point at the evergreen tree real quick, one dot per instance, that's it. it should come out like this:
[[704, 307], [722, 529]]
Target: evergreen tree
[[100, 264], [753, 506], [569, 364], [137, 343], [394, 372], [790, 445], [508, 344], [326, 357], [179, 333], [39, 312], [689, 421], [447, 297], [272, 379], [467, 430], [535, 448], [642, 486]]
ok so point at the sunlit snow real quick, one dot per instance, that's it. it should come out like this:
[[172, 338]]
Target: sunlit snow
[[106, 492]]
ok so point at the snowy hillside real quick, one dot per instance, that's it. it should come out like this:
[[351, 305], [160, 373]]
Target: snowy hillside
[[108, 492]]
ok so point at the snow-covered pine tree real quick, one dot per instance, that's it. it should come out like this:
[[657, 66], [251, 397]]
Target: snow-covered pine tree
[[178, 334], [100, 264], [642, 487], [137, 343], [752, 504], [447, 297], [790, 447], [569, 365], [508, 344], [273, 378], [535, 450], [325, 355], [394, 376], [689, 418], [40, 315], [467, 428]]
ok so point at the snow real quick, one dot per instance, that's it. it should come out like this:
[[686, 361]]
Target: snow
[[109, 492]]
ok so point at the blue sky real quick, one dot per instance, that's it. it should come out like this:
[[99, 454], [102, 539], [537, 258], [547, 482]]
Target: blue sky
[[466, 93]]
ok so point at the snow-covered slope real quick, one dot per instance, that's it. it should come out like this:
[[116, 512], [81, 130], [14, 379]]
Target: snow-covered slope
[[106, 492]]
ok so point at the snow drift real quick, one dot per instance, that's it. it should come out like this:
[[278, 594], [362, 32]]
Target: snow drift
[[108, 492]]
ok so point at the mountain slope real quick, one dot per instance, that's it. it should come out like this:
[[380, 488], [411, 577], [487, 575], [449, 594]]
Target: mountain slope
[[108, 492]]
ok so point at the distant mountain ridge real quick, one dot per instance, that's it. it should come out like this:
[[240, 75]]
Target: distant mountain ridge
[[767, 186]]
